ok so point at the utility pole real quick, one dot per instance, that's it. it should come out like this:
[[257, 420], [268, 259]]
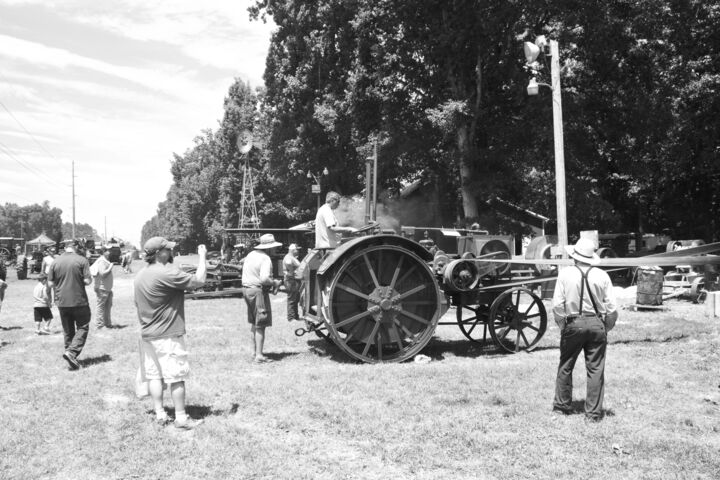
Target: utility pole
[[532, 50], [105, 230], [73, 198], [374, 204], [559, 149]]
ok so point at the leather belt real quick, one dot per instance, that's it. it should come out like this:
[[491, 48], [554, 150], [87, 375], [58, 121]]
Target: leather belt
[[573, 317]]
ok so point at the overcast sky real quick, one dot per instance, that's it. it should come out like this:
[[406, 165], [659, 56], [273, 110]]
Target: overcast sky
[[117, 86]]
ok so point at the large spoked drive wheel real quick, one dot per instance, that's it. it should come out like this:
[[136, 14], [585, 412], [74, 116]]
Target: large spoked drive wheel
[[382, 304], [517, 320], [472, 321]]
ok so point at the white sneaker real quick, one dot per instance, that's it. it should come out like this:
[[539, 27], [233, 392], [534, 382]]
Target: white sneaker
[[188, 424]]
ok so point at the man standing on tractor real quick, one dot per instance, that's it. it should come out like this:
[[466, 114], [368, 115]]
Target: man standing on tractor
[[326, 225]]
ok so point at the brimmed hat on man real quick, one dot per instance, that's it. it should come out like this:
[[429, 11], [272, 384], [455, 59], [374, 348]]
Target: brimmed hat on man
[[583, 251], [267, 241], [155, 244], [292, 247]]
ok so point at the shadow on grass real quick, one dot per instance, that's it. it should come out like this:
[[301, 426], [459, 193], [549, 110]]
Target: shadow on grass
[[86, 362], [203, 411], [115, 326], [675, 338], [437, 349], [326, 348], [277, 356], [577, 407], [3, 344], [10, 328]]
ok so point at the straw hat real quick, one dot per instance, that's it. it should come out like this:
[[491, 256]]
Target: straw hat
[[583, 251], [267, 241]]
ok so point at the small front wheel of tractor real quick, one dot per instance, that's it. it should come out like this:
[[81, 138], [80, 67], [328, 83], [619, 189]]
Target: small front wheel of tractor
[[473, 322], [517, 320]]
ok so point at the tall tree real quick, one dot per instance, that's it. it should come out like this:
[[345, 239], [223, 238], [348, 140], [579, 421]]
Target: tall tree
[[31, 220]]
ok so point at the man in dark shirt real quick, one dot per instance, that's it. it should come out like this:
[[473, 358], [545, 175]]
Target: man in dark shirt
[[160, 301], [69, 274]]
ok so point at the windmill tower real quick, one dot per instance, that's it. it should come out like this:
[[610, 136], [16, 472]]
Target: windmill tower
[[248, 217]]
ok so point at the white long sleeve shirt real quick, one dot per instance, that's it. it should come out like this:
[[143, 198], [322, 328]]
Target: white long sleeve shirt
[[566, 298]]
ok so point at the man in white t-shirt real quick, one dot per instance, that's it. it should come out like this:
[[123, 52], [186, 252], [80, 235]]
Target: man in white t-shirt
[[48, 260], [326, 225]]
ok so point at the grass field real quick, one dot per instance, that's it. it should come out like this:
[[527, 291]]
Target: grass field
[[314, 414]]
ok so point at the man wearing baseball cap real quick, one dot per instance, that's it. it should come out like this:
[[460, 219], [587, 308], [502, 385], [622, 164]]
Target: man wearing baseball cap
[[257, 281], [160, 301], [585, 310], [69, 274]]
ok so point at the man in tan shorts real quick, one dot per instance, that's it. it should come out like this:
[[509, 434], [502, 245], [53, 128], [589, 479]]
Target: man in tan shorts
[[258, 281], [160, 302]]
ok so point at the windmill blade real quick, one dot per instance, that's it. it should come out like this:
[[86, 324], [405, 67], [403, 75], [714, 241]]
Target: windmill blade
[[245, 141]]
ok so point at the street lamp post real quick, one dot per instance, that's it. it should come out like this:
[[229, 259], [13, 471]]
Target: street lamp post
[[316, 187], [532, 50]]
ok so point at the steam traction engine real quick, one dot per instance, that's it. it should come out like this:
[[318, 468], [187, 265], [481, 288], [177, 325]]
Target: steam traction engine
[[380, 297]]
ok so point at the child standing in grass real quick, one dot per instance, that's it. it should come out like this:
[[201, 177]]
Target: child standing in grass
[[41, 305]]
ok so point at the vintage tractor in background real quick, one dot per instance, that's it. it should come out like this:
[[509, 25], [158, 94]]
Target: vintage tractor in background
[[10, 248], [379, 297]]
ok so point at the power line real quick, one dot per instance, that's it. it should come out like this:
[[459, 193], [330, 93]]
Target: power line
[[30, 168], [27, 131], [38, 173]]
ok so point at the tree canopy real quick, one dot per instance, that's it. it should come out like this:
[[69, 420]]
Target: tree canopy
[[439, 87], [29, 221]]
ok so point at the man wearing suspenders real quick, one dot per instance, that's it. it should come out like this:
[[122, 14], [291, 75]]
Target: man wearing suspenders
[[585, 310]]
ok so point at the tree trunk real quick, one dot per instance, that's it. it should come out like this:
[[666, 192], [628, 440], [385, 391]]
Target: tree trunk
[[464, 152]]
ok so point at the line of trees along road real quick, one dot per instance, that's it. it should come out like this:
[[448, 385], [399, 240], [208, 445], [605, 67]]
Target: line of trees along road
[[29, 221], [439, 85]]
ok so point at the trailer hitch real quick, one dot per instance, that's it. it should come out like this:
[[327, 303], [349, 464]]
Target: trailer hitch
[[309, 328]]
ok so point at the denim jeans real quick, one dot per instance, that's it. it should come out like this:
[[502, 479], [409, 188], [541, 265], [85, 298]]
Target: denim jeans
[[104, 306], [292, 288], [75, 323], [586, 334]]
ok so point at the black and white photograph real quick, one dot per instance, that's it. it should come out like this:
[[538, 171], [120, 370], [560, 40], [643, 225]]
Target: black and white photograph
[[359, 239]]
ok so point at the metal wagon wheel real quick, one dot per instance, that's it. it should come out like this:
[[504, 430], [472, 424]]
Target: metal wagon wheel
[[382, 304], [517, 320], [698, 294], [473, 322], [4, 255]]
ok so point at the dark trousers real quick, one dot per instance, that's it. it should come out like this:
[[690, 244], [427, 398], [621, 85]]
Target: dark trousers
[[75, 323], [292, 288], [582, 334]]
